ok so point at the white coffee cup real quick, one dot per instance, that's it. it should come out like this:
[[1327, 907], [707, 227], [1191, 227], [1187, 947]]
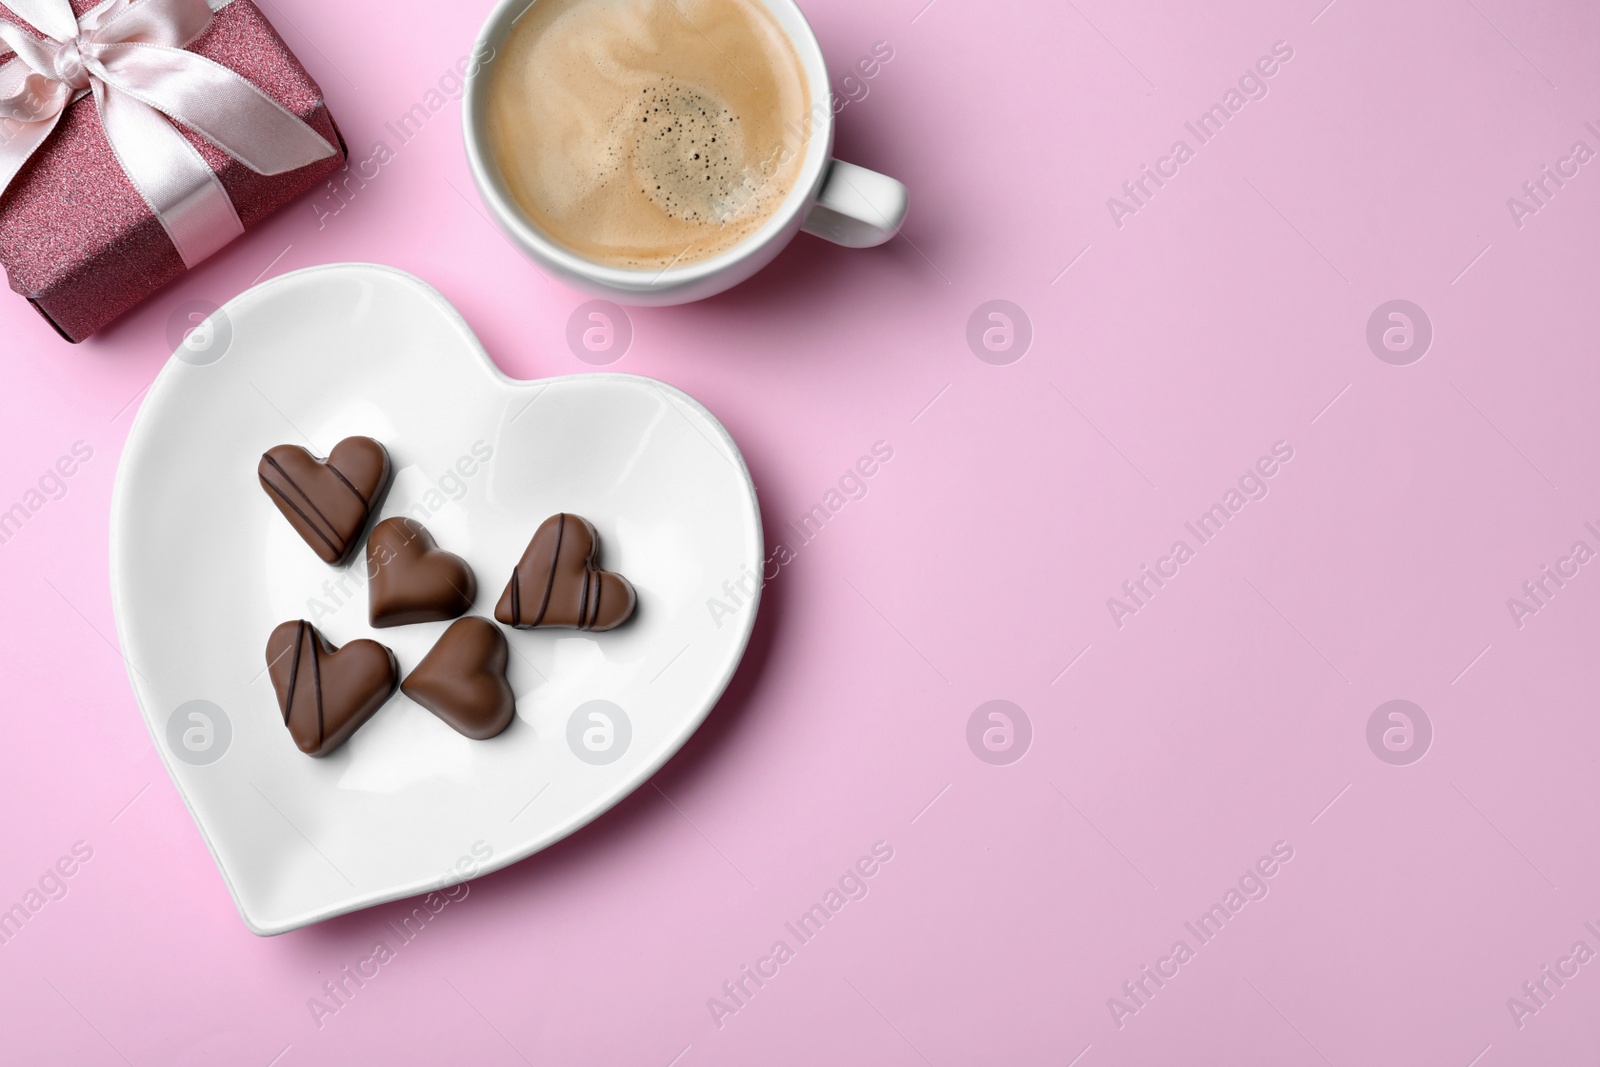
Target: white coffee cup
[[844, 203]]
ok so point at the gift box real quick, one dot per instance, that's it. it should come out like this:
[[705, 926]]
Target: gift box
[[108, 209]]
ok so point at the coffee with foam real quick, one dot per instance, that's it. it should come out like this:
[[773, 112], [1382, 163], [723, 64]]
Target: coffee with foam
[[647, 134]]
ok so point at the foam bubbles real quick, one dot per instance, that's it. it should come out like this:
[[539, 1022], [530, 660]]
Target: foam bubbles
[[689, 154]]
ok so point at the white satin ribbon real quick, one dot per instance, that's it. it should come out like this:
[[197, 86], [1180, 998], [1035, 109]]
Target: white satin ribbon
[[130, 55]]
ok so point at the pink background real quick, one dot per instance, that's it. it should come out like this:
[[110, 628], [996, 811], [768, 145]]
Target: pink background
[[1230, 713]]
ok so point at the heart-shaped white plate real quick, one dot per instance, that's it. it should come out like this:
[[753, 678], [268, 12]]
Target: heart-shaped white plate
[[203, 567]]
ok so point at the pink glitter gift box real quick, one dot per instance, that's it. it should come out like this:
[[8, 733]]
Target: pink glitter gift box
[[76, 237]]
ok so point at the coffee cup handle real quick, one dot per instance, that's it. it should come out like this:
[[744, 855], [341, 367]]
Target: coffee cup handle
[[857, 208]]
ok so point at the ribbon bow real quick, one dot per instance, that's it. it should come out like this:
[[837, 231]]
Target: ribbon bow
[[130, 54]]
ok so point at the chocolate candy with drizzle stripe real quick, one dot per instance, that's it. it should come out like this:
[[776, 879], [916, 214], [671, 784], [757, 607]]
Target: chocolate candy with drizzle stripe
[[326, 693], [558, 584], [328, 502]]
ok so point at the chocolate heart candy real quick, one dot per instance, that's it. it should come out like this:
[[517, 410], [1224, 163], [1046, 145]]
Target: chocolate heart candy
[[326, 693], [556, 582], [411, 579], [327, 501], [462, 679]]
